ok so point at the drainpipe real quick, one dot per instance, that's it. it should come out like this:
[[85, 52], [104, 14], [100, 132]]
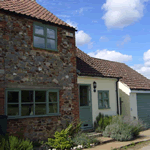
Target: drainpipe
[[117, 95]]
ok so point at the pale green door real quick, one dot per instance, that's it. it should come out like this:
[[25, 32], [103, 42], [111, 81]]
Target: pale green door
[[85, 106]]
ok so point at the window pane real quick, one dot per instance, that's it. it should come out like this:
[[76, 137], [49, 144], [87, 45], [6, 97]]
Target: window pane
[[106, 103], [26, 109], [84, 100], [50, 44], [39, 30], [100, 95], [52, 96], [105, 94], [101, 103], [40, 109], [52, 108], [39, 42], [27, 96], [50, 33], [40, 96], [13, 97], [13, 110]]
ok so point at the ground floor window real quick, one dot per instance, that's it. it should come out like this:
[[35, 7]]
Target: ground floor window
[[103, 99], [31, 102]]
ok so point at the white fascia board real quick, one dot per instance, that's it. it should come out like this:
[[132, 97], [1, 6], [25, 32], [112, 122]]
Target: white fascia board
[[96, 77], [136, 91]]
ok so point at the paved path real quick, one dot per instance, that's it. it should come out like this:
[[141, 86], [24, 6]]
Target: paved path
[[144, 136], [145, 148]]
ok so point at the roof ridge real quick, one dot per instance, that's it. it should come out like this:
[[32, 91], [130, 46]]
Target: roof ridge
[[131, 77]]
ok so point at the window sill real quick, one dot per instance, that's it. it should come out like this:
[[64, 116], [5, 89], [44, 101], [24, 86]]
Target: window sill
[[22, 117], [104, 108], [56, 50]]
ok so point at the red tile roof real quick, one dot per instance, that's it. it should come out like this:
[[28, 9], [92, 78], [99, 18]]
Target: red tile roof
[[31, 8], [105, 68]]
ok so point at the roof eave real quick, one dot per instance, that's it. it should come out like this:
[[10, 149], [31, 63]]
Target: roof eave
[[81, 74], [144, 89], [29, 17]]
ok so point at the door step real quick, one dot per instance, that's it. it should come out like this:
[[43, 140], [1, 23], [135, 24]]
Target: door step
[[86, 130], [94, 134]]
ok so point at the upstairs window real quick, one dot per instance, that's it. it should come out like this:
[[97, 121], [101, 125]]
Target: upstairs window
[[45, 37]]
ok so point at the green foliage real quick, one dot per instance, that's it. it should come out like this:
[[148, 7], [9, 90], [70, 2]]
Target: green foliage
[[123, 128], [74, 127], [4, 142], [13, 143], [62, 140], [84, 140], [36, 144], [26, 145], [101, 122]]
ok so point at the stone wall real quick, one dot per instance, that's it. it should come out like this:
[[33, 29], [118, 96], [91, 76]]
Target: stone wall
[[23, 66]]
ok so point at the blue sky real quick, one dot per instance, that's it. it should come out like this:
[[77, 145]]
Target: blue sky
[[117, 30]]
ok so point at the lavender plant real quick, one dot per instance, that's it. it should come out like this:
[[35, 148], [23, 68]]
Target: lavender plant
[[124, 128]]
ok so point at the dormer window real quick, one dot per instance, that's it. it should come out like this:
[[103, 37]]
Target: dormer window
[[45, 37]]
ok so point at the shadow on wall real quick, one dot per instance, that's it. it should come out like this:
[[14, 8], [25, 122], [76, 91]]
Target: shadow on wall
[[125, 98]]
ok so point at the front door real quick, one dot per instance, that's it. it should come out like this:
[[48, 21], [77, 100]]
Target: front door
[[85, 106]]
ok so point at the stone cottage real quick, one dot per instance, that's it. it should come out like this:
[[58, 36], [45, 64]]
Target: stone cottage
[[38, 81]]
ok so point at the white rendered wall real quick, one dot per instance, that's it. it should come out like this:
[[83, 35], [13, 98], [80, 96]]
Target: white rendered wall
[[124, 93], [102, 84], [133, 105]]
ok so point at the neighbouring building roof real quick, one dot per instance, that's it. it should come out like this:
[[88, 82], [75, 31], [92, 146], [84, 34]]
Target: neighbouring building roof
[[33, 9], [105, 68]]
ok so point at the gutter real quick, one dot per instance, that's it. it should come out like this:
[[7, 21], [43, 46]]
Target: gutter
[[96, 76], [117, 95], [137, 91]]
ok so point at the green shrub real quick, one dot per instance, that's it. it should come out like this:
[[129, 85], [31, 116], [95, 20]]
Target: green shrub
[[62, 140], [74, 127], [4, 142], [26, 145], [101, 122], [118, 132], [13, 143], [84, 140], [123, 128]]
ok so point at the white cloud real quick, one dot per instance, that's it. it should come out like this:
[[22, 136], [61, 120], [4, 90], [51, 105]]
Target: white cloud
[[146, 56], [111, 55], [82, 38], [72, 23], [144, 68], [104, 39], [122, 13], [82, 9], [90, 45], [126, 39]]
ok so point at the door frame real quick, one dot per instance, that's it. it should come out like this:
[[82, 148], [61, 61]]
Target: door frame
[[90, 96]]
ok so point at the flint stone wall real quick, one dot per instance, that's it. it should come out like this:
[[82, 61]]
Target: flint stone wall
[[23, 66]]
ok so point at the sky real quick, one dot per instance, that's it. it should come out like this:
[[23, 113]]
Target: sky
[[116, 30]]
